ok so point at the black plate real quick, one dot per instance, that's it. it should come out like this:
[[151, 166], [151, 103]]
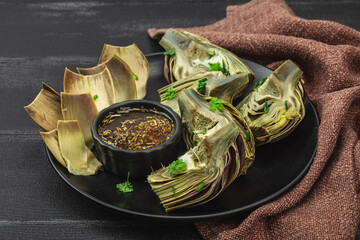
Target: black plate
[[276, 169]]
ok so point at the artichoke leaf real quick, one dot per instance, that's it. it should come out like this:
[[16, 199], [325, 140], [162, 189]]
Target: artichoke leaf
[[79, 159], [276, 108], [226, 88], [192, 57], [220, 155], [80, 107], [136, 60], [51, 141], [45, 110], [99, 84], [121, 74]]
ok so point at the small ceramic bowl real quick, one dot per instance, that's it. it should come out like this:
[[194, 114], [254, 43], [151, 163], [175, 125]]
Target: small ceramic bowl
[[139, 163]]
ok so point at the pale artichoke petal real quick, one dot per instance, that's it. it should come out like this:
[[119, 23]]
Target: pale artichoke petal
[[45, 110], [121, 74], [192, 56], [51, 140], [80, 107], [136, 60], [221, 154], [99, 84], [79, 159], [281, 90]]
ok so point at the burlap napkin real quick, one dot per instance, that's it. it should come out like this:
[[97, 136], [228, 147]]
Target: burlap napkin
[[325, 204]]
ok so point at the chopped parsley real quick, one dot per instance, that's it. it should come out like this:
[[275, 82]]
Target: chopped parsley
[[215, 104], [211, 53], [95, 97], [195, 142], [286, 105], [217, 67], [170, 53], [200, 186], [205, 130], [176, 165], [202, 85], [175, 194], [169, 94], [262, 81], [255, 87], [135, 76], [192, 133], [247, 135], [266, 107], [125, 186]]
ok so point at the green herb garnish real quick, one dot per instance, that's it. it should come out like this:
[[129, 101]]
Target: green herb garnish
[[216, 103], [195, 142], [125, 186], [175, 194], [262, 80], [211, 53], [169, 94], [135, 76], [95, 97], [192, 133], [286, 105], [176, 165], [247, 135], [266, 107], [217, 67], [205, 130], [202, 80], [170, 53], [202, 85], [255, 87], [200, 186]]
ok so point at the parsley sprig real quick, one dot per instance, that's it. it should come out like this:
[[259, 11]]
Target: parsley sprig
[[95, 97], [177, 165], [125, 186], [169, 94], [216, 104], [216, 67], [170, 53]]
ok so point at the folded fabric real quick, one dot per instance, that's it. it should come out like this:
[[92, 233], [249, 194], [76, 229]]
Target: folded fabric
[[325, 204]]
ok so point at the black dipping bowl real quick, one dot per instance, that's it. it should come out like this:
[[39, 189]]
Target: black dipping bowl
[[138, 162]]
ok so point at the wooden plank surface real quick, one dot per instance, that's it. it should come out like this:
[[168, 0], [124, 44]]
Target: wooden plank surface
[[39, 39]]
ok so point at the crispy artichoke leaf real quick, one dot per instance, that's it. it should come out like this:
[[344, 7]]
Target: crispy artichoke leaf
[[281, 96], [99, 84], [217, 85], [213, 163], [45, 110], [136, 60], [80, 107], [121, 74], [51, 140], [79, 159], [192, 56]]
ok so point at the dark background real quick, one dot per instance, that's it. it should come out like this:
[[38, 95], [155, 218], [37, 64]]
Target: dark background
[[37, 41]]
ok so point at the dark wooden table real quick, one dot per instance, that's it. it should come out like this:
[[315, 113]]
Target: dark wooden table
[[37, 41]]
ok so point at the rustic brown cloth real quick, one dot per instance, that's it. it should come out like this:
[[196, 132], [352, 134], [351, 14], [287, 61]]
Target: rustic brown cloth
[[325, 204]]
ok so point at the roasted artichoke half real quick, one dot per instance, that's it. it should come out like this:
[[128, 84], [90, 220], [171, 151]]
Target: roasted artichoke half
[[274, 108], [188, 54], [221, 147], [217, 85]]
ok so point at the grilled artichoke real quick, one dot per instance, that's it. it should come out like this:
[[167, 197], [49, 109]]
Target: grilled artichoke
[[275, 106], [216, 85], [221, 147], [190, 54]]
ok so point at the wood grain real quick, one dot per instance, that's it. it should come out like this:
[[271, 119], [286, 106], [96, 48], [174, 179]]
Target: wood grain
[[39, 39]]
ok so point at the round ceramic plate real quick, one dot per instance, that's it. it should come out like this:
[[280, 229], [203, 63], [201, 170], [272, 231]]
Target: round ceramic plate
[[276, 169]]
